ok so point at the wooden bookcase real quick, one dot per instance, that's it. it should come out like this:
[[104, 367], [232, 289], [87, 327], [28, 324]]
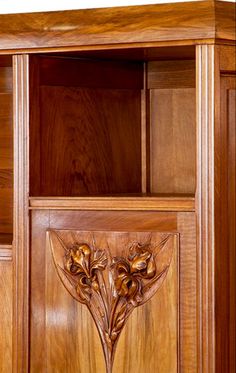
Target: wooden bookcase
[[117, 180]]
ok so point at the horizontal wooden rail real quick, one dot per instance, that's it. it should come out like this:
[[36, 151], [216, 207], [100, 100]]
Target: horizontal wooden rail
[[114, 203]]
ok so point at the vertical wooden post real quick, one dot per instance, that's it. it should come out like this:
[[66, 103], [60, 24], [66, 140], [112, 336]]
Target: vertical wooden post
[[21, 223], [205, 70]]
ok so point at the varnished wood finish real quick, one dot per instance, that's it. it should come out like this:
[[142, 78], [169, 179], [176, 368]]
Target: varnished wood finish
[[185, 22], [171, 74], [6, 151], [107, 99], [225, 225], [78, 131], [47, 327], [21, 224], [205, 206], [173, 141], [115, 203], [112, 273], [6, 291]]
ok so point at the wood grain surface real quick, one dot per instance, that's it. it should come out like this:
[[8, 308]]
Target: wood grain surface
[[69, 329], [85, 143], [173, 146], [6, 152], [225, 228], [6, 295], [137, 203], [155, 23]]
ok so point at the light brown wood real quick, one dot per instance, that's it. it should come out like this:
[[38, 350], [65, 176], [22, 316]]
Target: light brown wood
[[107, 98], [232, 222], [6, 152], [21, 224], [227, 58], [6, 315], [163, 22], [172, 164], [116, 284], [114, 203], [205, 60], [171, 74], [52, 333], [188, 347]]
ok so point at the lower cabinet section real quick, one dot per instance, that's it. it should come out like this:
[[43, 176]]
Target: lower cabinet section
[[113, 292]]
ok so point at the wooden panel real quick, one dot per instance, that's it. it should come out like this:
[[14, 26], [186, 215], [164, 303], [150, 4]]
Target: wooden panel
[[225, 20], [5, 79], [52, 308], [108, 302], [142, 347], [232, 221], [72, 72], [225, 228], [118, 220], [6, 208], [173, 140], [6, 316], [171, 74], [84, 141], [188, 293], [6, 131], [6, 158], [227, 58], [143, 24]]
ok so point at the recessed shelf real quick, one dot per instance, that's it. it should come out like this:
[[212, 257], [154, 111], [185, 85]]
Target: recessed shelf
[[107, 127]]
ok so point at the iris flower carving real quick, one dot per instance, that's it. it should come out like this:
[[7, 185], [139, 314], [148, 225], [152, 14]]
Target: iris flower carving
[[83, 263], [129, 273], [110, 286]]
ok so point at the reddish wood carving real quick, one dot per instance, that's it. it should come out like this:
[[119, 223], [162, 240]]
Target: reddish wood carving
[[111, 282]]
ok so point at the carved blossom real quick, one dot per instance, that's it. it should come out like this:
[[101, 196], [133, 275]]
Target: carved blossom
[[129, 273], [82, 263]]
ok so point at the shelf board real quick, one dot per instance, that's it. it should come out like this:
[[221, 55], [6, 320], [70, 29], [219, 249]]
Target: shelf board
[[160, 203]]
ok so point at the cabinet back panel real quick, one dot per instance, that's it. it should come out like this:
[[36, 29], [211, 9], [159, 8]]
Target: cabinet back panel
[[6, 152], [89, 141], [173, 140], [172, 126]]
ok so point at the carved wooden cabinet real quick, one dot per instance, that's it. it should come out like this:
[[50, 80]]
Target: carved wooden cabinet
[[117, 190]]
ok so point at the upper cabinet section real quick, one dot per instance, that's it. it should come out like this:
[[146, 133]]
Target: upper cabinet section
[[186, 23], [112, 124]]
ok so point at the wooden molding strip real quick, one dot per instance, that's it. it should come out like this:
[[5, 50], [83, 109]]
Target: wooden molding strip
[[5, 252], [114, 203]]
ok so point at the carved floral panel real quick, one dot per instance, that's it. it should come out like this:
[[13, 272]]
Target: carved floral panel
[[111, 273]]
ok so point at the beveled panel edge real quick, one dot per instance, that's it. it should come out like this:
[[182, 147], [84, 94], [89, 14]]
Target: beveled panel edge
[[113, 203]]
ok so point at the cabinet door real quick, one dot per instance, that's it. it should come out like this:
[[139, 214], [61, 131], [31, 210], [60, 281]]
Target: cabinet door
[[113, 291]]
